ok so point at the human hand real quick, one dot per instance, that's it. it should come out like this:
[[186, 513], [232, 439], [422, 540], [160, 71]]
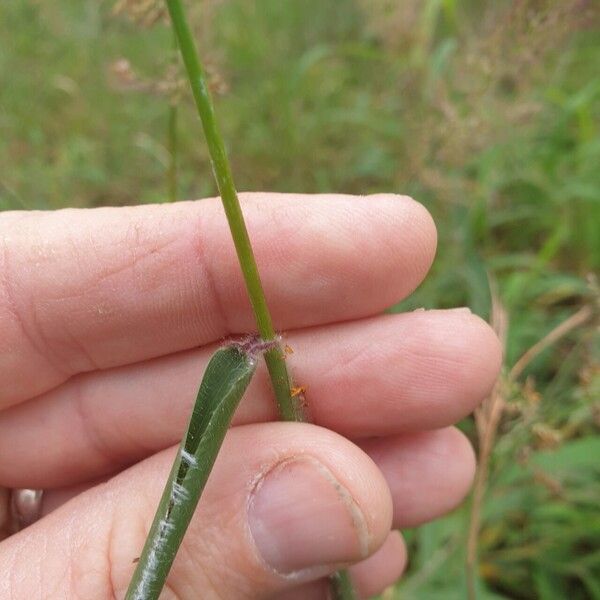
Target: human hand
[[108, 317]]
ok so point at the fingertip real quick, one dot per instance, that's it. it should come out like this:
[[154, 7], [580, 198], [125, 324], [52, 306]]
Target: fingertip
[[422, 227], [380, 241], [410, 232], [429, 473], [382, 569], [369, 577], [468, 364], [485, 350], [460, 464], [329, 496]]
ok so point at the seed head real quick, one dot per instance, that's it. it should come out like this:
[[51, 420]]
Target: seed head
[[144, 13]]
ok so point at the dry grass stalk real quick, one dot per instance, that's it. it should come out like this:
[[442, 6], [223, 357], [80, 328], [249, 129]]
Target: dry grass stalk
[[144, 13], [489, 414], [487, 418], [573, 322], [124, 78]]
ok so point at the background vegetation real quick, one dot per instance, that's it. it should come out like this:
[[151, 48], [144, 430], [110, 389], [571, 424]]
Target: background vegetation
[[488, 112]]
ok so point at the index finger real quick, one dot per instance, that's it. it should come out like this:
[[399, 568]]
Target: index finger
[[91, 289]]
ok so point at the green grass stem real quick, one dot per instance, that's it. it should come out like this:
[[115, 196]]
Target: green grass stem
[[290, 408]]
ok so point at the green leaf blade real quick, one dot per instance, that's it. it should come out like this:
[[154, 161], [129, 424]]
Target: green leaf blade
[[225, 380]]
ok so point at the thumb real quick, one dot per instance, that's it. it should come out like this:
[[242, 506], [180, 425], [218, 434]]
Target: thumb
[[286, 504]]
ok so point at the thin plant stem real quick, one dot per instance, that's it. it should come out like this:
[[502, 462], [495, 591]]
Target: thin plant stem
[[290, 407], [574, 321], [488, 419]]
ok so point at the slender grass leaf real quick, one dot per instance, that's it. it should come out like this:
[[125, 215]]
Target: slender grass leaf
[[225, 380]]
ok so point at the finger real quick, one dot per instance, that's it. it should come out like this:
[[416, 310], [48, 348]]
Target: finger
[[286, 503], [375, 377], [90, 289], [373, 575], [429, 473], [369, 577], [55, 497]]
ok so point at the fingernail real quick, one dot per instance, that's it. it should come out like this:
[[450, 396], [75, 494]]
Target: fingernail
[[300, 517]]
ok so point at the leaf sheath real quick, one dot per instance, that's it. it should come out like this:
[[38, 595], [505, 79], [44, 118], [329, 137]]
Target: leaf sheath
[[225, 380]]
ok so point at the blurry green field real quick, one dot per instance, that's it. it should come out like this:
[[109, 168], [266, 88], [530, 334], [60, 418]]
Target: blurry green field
[[488, 112]]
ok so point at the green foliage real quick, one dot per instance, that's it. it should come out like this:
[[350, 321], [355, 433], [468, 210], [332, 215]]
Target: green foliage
[[540, 538], [486, 111]]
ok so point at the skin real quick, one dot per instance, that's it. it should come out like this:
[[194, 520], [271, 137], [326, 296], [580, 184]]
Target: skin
[[108, 317]]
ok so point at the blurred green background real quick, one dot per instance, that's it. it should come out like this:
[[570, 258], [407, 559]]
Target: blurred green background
[[488, 112]]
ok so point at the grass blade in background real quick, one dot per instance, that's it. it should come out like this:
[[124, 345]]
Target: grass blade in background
[[225, 380]]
